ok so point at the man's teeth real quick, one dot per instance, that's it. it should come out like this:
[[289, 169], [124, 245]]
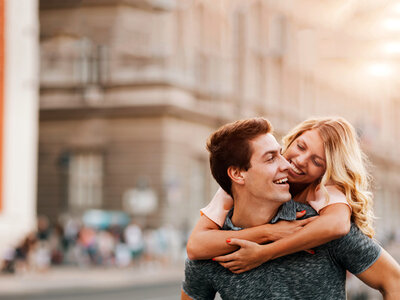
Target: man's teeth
[[280, 181], [295, 169]]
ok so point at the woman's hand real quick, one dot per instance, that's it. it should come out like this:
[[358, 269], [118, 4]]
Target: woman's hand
[[249, 256], [283, 229]]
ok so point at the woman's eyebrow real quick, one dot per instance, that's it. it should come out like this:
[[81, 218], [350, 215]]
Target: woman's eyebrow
[[319, 157]]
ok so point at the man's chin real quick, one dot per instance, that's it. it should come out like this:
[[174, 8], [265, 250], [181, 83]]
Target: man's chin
[[282, 198], [287, 199]]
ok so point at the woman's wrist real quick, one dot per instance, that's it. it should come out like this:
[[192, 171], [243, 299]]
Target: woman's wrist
[[266, 253], [266, 235]]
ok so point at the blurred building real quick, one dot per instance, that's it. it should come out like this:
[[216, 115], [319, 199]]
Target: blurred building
[[19, 99], [131, 89], [118, 114]]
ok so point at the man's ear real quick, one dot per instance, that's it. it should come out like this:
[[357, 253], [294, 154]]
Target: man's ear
[[236, 174]]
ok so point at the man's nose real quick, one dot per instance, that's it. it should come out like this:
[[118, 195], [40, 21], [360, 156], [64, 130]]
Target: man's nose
[[285, 165]]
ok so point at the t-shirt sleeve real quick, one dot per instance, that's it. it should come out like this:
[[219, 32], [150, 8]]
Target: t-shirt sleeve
[[317, 198], [218, 208], [356, 252], [196, 285]]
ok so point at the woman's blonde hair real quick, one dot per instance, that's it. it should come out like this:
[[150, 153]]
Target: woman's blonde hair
[[345, 165]]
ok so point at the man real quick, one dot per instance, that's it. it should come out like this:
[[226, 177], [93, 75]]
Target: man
[[256, 173]]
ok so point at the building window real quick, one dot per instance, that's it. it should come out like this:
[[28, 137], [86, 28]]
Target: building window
[[93, 63], [85, 181]]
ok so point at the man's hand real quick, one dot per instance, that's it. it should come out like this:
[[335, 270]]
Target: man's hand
[[248, 257], [282, 229]]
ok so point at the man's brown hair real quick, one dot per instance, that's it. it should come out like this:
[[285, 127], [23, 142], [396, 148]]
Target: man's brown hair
[[230, 146]]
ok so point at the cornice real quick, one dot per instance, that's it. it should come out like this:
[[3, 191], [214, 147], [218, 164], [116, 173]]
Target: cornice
[[133, 111], [142, 4]]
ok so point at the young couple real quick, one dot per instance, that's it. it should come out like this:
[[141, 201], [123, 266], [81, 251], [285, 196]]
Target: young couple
[[259, 253]]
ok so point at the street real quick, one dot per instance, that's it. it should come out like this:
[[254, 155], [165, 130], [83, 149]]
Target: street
[[162, 291]]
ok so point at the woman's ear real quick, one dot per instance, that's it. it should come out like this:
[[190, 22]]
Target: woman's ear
[[236, 174]]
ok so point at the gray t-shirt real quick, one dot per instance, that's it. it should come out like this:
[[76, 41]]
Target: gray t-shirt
[[297, 276]]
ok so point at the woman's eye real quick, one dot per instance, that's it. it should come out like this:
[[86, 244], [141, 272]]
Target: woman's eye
[[271, 158], [301, 147], [317, 163]]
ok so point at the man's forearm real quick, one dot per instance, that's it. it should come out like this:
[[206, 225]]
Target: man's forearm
[[391, 295], [383, 275]]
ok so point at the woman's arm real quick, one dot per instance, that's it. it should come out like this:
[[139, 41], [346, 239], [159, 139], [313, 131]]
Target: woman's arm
[[333, 223], [207, 240]]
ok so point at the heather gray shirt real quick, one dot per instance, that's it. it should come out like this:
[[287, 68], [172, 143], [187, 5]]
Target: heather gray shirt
[[297, 276]]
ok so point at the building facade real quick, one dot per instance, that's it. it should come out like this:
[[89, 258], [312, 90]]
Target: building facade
[[130, 91]]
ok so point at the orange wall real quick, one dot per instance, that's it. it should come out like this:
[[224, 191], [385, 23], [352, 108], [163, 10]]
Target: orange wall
[[2, 46]]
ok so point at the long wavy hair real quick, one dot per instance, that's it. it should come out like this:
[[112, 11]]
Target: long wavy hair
[[346, 166]]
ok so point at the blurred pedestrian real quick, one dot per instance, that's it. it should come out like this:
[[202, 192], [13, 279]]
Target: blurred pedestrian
[[8, 264], [23, 252], [134, 239], [106, 246]]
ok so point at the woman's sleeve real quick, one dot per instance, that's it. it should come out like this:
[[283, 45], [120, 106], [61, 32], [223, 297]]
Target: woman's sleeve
[[218, 208], [318, 201]]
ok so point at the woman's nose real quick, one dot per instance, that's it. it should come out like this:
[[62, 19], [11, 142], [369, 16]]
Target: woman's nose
[[301, 160]]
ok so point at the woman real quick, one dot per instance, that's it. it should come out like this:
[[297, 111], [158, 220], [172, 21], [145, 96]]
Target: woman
[[327, 171]]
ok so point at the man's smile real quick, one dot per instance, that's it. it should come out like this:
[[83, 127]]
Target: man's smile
[[282, 181]]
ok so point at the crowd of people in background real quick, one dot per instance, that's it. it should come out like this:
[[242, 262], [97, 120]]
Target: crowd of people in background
[[74, 243]]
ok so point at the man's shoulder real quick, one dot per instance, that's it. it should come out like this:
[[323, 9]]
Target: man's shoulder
[[355, 236], [355, 251], [198, 283], [195, 263], [206, 266]]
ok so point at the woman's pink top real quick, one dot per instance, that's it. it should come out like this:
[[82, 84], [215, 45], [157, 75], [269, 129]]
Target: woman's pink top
[[218, 208], [221, 203]]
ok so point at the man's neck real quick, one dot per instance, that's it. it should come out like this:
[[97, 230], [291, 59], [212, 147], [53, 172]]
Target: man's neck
[[297, 188], [250, 211]]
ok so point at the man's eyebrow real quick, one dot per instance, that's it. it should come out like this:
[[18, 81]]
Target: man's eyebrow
[[271, 152]]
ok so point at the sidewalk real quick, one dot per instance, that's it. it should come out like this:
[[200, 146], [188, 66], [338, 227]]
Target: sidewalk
[[68, 278]]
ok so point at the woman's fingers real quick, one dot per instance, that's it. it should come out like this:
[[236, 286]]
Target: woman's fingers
[[233, 265], [306, 221], [237, 242], [224, 258], [300, 214], [229, 265], [237, 270]]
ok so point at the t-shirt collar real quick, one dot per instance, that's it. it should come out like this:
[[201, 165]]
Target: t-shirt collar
[[287, 211]]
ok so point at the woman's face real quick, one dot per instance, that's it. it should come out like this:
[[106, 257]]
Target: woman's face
[[306, 156]]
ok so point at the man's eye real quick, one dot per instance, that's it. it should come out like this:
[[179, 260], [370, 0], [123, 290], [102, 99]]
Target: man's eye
[[270, 158]]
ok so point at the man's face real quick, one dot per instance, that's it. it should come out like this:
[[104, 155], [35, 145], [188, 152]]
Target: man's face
[[266, 179]]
